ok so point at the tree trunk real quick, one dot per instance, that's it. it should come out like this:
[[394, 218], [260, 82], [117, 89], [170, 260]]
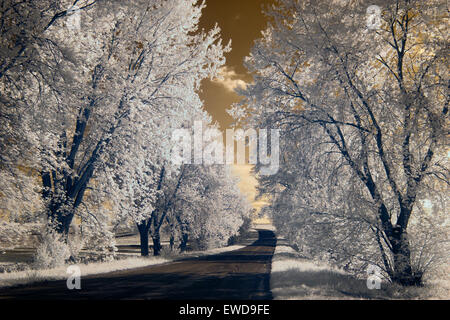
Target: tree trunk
[[143, 233], [156, 244], [183, 243], [403, 272], [172, 241]]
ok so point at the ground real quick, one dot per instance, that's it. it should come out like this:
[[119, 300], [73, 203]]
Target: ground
[[264, 267], [238, 274]]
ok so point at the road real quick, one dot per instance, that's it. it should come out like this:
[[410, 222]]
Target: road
[[239, 274]]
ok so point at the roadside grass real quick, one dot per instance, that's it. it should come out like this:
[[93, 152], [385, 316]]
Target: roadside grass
[[295, 278], [9, 279]]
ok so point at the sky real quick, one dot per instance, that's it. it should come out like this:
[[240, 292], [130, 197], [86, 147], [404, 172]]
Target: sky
[[241, 21]]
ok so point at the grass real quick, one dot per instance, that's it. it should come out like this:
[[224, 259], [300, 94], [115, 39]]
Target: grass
[[295, 278], [59, 273]]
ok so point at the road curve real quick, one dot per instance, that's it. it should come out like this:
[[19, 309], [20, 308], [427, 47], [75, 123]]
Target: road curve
[[240, 274]]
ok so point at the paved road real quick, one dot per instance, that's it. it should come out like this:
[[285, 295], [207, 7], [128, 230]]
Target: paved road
[[239, 274]]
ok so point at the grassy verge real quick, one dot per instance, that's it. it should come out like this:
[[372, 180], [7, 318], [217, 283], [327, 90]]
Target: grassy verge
[[296, 278]]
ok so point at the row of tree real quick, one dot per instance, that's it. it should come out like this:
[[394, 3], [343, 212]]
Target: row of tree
[[90, 94], [364, 168]]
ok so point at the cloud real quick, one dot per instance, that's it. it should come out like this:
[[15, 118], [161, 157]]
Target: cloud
[[229, 79]]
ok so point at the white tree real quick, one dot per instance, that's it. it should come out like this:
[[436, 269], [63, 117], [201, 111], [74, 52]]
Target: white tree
[[365, 118], [147, 172], [210, 208], [200, 203], [131, 68], [29, 64]]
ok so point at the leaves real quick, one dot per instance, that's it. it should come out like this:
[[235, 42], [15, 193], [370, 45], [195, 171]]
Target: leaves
[[352, 106], [93, 108]]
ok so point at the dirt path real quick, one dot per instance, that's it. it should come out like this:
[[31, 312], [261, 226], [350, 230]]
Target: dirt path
[[240, 274]]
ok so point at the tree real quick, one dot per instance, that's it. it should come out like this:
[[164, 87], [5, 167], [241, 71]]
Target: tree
[[198, 202], [127, 67], [365, 117], [23, 27], [24, 30], [148, 181], [29, 62], [209, 209]]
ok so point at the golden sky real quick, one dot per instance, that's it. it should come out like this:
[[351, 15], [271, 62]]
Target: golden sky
[[247, 185], [241, 21]]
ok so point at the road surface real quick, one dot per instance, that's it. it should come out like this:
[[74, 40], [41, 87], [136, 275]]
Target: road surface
[[239, 274]]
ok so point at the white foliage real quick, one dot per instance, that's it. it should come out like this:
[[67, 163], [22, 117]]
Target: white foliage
[[52, 252], [364, 117]]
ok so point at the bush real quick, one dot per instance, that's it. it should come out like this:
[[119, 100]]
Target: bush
[[101, 243], [52, 252]]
